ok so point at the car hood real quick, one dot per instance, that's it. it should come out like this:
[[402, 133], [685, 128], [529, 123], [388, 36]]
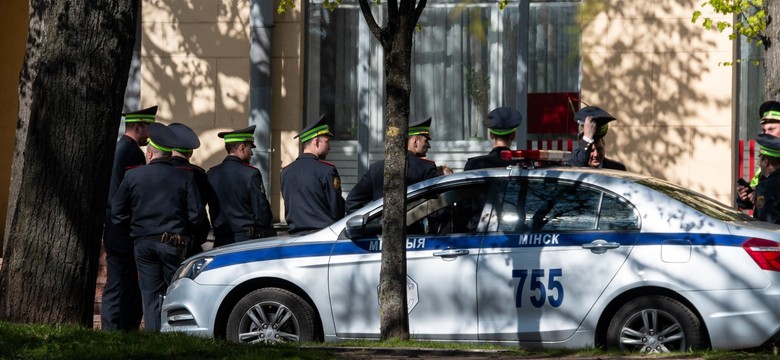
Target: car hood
[[325, 234]]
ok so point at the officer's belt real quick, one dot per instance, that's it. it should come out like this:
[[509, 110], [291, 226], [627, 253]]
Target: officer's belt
[[172, 239]]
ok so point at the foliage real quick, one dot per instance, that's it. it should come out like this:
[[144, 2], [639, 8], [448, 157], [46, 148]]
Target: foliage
[[751, 14], [73, 342]]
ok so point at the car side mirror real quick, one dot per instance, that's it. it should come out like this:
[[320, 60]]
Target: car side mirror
[[356, 226]]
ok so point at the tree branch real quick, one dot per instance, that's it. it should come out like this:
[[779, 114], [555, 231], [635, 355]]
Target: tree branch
[[370, 20], [418, 11]]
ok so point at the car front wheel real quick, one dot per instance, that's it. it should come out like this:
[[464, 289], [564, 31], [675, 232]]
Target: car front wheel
[[271, 315], [654, 324]]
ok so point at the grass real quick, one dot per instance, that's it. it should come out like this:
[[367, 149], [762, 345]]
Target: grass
[[73, 342]]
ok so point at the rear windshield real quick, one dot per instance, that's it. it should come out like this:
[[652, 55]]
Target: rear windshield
[[697, 201]]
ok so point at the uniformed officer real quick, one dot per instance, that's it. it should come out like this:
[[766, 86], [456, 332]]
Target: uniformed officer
[[162, 205], [240, 210], [180, 157], [121, 307], [371, 185], [770, 124], [502, 126], [311, 186], [767, 200], [591, 153]]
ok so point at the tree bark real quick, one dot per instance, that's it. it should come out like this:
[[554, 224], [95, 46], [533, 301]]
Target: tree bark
[[772, 54], [396, 39], [70, 99]]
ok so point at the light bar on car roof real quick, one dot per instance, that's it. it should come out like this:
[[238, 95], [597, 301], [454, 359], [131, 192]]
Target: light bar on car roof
[[536, 155]]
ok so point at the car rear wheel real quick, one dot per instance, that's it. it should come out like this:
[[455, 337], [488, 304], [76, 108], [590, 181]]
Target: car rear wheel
[[271, 315], [654, 324]]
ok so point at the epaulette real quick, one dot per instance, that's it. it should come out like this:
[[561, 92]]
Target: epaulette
[[249, 165], [198, 168], [327, 163], [132, 167], [184, 168]]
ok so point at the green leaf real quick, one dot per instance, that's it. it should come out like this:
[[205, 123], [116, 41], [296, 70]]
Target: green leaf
[[696, 15]]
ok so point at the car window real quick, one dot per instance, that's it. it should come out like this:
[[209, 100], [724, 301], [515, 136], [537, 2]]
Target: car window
[[443, 211], [549, 205], [616, 214], [697, 201]]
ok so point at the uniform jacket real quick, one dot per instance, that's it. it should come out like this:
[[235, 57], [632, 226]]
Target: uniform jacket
[[312, 194], [157, 198], [240, 204], [767, 200], [204, 189], [491, 160], [371, 185], [128, 155]]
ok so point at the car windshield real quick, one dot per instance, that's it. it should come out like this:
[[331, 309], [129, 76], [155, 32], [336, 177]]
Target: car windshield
[[697, 201]]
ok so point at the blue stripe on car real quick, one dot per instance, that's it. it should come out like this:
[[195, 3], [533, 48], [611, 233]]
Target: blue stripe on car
[[357, 247]]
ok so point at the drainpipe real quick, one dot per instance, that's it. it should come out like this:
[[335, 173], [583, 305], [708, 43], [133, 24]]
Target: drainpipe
[[261, 23]]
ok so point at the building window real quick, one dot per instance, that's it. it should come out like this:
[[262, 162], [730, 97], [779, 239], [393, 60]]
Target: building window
[[468, 58]]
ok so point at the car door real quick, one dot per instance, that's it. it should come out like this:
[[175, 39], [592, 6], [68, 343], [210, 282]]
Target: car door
[[552, 249], [443, 243]]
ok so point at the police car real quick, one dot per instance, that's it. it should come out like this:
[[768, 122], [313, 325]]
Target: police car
[[554, 257]]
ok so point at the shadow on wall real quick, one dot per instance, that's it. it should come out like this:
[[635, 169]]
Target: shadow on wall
[[195, 60], [658, 73]]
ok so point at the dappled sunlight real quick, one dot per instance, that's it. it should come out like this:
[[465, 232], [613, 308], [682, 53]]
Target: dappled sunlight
[[658, 74]]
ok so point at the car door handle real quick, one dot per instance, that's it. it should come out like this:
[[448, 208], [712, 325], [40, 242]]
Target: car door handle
[[600, 246], [451, 253]]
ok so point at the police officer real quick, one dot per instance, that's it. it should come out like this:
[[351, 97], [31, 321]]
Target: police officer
[[591, 153], [311, 186], [370, 186], [240, 210], [770, 124], [121, 307], [502, 126], [767, 200], [162, 205], [180, 157]]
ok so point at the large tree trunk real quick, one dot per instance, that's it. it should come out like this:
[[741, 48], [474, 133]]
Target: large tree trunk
[[70, 99], [396, 39], [772, 55]]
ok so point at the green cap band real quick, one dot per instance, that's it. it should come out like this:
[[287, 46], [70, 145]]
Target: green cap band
[[134, 118], [771, 115], [163, 148], [502, 131], [183, 151], [313, 133], [603, 130], [239, 137], [763, 150], [419, 130]]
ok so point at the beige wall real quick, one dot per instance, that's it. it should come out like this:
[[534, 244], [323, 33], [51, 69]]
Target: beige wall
[[195, 66], [14, 15], [287, 86], [658, 73]]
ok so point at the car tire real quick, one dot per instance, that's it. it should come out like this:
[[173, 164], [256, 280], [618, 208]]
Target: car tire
[[653, 324], [271, 315]]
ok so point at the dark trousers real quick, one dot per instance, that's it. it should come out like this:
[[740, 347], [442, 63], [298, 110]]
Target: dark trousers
[[121, 305], [157, 262]]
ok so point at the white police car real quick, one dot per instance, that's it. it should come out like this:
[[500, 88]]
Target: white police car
[[554, 258]]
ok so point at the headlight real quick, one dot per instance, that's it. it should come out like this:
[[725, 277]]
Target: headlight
[[192, 268]]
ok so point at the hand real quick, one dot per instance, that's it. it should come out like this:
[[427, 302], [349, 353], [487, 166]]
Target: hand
[[589, 127], [745, 193]]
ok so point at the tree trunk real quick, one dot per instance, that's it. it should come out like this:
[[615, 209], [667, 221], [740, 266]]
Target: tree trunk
[[396, 39], [772, 55], [70, 99]]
